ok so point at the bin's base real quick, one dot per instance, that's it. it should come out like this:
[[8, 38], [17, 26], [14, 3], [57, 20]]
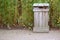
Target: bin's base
[[42, 30]]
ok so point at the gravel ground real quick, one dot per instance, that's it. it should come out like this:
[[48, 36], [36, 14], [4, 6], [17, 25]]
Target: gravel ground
[[28, 35]]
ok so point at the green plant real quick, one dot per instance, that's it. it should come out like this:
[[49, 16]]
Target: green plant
[[55, 13], [8, 12]]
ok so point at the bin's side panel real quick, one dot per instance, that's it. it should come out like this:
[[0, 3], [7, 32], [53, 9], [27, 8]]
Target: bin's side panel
[[47, 19], [35, 21], [44, 19]]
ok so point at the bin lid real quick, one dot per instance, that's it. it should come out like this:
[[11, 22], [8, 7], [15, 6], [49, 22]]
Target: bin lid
[[40, 4]]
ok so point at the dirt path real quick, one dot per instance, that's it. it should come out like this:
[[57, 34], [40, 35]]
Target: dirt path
[[28, 35]]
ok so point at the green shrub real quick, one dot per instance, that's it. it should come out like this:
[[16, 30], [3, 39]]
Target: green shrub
[[8, 11], [55, 13]]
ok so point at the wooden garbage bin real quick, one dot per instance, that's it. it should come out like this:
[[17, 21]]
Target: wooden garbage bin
[[41, 17]]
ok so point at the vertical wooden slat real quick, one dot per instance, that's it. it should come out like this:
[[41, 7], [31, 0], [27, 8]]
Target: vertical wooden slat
[[44, 19], [40, 19], [35, 20], [47, 19]]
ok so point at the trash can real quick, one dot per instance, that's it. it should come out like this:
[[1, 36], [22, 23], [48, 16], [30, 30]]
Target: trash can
[[41, 17]]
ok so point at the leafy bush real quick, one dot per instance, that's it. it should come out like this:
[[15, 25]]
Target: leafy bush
[[8, 12], [55, 13]]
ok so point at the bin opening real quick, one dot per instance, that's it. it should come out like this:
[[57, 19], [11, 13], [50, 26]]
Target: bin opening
[[42, 7]]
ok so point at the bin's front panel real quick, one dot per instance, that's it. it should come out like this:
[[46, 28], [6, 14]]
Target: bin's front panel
[[41, 21]]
